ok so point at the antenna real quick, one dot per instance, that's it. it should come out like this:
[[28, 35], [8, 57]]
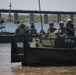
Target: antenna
[[40, 14], [10, 11]]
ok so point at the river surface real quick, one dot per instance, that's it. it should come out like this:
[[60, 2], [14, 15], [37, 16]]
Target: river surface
[[8, 68], [11, 27]]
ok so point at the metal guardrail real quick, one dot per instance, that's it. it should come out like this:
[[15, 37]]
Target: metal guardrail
[[37, 11]]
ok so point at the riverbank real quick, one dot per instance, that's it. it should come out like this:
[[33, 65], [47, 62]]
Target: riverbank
[[25, 18]]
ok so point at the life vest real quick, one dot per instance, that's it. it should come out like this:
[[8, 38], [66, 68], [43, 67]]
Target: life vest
[[51, 29], [61, 31]]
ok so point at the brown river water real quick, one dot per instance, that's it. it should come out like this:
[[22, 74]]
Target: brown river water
[[8, 68]]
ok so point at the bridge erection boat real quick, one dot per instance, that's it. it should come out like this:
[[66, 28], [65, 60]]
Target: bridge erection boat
[[45, 51]]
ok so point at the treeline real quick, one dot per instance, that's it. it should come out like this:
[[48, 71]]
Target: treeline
[[26, 18]]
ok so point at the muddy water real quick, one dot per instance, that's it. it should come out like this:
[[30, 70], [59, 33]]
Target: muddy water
[[8, 68]]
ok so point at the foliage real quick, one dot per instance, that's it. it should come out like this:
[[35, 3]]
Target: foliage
[[26, 18]]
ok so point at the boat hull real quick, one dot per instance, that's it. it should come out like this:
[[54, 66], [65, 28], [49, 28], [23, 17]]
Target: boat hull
[[18, 38], [36, 56], [53, 56]]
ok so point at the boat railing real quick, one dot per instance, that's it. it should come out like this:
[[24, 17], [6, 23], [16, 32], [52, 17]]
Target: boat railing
[[59, 42]]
